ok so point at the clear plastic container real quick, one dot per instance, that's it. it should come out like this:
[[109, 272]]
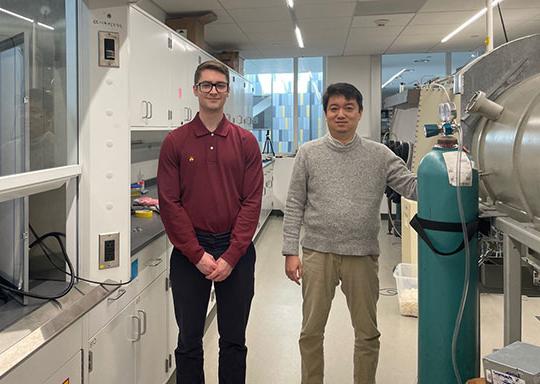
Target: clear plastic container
[[406, 276]]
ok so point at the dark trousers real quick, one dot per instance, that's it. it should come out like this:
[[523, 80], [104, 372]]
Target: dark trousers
[[191, 293]]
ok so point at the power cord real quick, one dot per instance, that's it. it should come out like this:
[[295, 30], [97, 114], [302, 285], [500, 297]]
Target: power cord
[[71, 273], [34, 295], [502, 22], [39, 240]]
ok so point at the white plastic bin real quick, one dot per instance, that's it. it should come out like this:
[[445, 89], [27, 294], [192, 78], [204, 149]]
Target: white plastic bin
[[406, 276]]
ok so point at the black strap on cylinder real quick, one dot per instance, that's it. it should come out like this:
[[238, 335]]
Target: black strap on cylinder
[[420, 225]]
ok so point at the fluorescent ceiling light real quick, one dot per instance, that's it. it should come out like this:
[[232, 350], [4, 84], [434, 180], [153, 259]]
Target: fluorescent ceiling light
[[478, 15], [299, 37], [16, 15], [394, 77], [46, 26], [290, 3]]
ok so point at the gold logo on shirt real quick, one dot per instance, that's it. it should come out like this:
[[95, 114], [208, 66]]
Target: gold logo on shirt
[[191, 159]]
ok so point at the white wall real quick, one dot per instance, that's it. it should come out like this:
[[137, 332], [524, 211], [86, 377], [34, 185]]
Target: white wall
[[283, 168], [364, 72]]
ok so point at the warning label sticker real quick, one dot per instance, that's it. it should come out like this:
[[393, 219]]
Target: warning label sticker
[[451, 160], [505, 378]]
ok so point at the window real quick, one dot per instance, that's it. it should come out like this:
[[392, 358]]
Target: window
[[460, 59], [273, 100], [310, 90], [409, 70]]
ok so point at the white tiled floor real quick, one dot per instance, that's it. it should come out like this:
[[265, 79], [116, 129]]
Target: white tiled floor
[[274, 326]]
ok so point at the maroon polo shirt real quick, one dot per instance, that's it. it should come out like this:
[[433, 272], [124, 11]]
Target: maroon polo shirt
[[210, 182]]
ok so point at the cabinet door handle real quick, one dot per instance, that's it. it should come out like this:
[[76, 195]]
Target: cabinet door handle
[[154, 262], [121, 292], [143, 314], [151, 110], [138, 320], [144, 107]]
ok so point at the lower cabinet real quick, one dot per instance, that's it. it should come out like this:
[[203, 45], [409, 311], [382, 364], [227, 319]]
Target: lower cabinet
[[70, 373], [151, 357], [131, 348]]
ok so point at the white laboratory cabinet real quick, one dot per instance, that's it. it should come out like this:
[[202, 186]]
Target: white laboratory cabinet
[[161, 69], [56, 361], [133, 329], [131, 347], [149, 52]]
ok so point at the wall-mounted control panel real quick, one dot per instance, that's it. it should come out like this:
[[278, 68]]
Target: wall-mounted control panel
[[109, 247], [109, 49]]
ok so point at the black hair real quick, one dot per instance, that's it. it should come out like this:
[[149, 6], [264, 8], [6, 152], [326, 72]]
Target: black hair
[[349, 91]]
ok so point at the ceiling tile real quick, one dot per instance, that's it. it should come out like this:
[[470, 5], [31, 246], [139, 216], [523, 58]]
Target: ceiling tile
[[266, 26], [375, 33], [224, 33], [453, 18], [324, 10], [455, 5], [393, 20], [175, 6], [508, 4], [325, 24], [381, 7], [254, 14], [236, 4]]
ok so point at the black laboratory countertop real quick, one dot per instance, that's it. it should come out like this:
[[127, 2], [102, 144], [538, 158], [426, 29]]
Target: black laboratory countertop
[[144, 231]]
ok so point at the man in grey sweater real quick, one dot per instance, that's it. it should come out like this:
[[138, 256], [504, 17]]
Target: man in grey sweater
[[336, 191]]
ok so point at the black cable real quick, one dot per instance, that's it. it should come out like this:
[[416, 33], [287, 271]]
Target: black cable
[[396, 232], [39, 240], [43, 297], [502, 22]]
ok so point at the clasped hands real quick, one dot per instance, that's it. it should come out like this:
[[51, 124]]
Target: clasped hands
[[215, 270]]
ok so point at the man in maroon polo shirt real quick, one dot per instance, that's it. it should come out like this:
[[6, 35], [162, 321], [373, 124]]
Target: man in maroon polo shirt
[[210, 183]]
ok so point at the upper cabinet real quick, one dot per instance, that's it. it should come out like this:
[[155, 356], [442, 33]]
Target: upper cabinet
[[184, 61], [162, 65], [149, 71]]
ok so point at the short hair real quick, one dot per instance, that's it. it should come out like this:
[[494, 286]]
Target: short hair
[[346, 90], [213, 65]]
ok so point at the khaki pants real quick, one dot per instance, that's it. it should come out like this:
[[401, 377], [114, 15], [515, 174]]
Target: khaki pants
[[360, 284]]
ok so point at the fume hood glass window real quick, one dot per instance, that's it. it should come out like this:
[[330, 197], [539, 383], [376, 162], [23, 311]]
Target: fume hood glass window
[[26, 263], [37, 85], [310, 90], [273, 101]]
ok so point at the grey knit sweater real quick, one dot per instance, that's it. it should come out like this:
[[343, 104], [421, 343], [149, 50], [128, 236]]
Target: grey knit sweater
[[336, 192]]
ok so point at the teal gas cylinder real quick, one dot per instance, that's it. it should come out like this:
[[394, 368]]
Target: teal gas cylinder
[[441, 278]]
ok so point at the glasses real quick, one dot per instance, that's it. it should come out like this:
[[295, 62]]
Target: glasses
[[206, 86]]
